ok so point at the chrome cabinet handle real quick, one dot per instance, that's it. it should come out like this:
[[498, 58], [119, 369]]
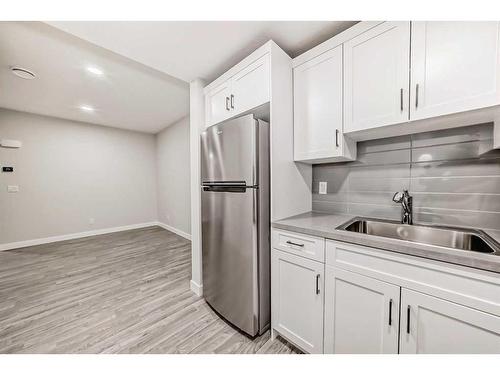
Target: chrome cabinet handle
[[337, 137], [401, 99], [232, 101], [390, 312], [408, 320], [416, 95], [295, 244], [317, 283], [227, 103]]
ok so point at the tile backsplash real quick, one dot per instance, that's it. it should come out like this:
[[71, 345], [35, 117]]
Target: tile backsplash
[[452, 182]]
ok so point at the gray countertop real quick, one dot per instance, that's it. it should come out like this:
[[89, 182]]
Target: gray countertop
[[324, 224]]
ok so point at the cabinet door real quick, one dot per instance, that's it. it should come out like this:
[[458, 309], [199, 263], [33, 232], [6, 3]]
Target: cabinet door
[[376, 77], [217, 103], [251, 86], [297, 300], [455, 67], [432, 325], [317, 121], [361, 314]]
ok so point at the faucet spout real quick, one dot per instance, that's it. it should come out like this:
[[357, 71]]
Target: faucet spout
[[406, 201]]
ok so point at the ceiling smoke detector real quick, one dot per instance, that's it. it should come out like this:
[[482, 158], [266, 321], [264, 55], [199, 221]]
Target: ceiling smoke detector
[[22, 73]]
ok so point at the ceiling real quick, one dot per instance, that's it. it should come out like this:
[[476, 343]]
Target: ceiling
[[200, 49], [146, 65], [128, 95]]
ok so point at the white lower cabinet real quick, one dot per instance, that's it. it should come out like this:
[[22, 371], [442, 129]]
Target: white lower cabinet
[[431, 325], [297, 300], [365, 300], [361, 314]]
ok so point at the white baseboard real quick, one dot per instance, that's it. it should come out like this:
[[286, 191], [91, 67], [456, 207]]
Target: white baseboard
[[181, 233], [196, 288], [72, 236]]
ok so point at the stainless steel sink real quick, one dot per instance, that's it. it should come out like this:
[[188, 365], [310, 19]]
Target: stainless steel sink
[[449, 237]]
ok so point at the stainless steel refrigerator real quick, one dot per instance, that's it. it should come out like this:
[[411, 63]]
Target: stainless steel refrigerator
[[235, 222]]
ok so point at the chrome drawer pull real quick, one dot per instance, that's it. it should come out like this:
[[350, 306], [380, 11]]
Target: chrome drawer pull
[[295, 244]]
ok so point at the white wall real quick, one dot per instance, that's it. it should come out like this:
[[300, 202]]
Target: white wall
[[174, 203], [69, 173], [197, 125]]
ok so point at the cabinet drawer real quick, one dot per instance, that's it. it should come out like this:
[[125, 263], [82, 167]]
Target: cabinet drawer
[[299, 244]]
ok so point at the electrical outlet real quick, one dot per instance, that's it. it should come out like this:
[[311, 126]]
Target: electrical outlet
[[91, 221], [323, 187]]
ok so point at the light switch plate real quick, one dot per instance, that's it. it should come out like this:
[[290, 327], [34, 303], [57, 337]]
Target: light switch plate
[[323, 186], [12, 188]]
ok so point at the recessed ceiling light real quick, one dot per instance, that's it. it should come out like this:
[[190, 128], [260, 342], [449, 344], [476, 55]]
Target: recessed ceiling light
[[95, 70], [22, 72], [87, 108]]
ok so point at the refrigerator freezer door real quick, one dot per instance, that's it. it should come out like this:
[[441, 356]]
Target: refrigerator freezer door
[[229, 151], [230, 261]]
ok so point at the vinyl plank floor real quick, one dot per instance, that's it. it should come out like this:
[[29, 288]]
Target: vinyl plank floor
[[125, 292]]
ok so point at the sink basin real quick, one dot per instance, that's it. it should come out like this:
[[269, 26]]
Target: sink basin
[[449, 237]]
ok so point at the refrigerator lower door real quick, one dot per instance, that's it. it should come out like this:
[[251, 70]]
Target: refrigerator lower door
[[230, 255]]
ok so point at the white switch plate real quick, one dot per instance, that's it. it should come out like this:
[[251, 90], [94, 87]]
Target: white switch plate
[[323, 186], [12, 188]]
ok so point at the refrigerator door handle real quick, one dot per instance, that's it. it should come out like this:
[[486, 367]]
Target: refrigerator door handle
[[224, 183], [225, 186], [225, 189]]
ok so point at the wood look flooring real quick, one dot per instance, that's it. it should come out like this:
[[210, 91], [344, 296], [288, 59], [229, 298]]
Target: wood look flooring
[[125, 292]]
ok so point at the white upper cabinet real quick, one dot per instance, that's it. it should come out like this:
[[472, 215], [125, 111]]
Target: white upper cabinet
[[376, 77], [361, 314], [431, 325], [218, 103], [251, 86], [246, 89], [454, 67], [318, 106]]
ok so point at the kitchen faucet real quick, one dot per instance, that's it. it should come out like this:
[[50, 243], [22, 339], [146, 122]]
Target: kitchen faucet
[[406, 201]]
